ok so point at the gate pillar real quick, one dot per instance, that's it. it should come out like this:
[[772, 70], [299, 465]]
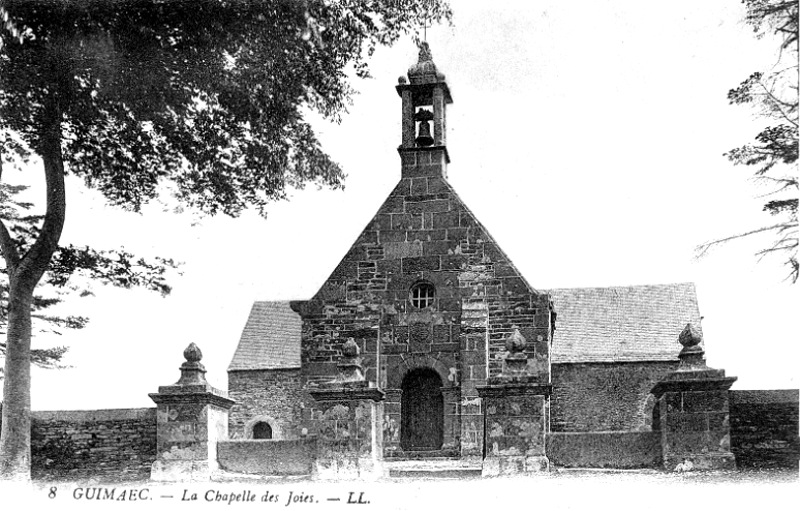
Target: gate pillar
[[516, 408], [693, 411], [191, 416], [347, 421]]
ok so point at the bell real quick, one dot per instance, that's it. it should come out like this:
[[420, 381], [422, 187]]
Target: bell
[[424, 139]]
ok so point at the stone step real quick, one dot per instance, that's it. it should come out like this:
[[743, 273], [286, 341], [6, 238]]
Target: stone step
[[225, 476], [436, 473], [432, 459], [434, 468], [408, 455]]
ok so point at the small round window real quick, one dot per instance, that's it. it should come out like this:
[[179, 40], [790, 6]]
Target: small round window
[[422, 295]]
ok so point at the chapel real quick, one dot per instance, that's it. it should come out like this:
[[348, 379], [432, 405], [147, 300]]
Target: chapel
[[435, 308]]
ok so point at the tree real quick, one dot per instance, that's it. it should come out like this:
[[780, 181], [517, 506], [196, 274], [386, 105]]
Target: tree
[[774, 154], [71, 271], [205, 98]]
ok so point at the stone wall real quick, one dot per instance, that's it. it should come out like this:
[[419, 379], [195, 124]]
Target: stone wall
[[120, 445], [604, 397], [268, 457], [764, 428], [275, 396], [609, 449], [106, 445]]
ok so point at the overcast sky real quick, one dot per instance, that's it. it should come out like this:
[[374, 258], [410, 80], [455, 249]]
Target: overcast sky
[[587, 136]]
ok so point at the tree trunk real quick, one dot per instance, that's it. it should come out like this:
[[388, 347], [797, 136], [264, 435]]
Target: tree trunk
[[15, 438], [24, 274]]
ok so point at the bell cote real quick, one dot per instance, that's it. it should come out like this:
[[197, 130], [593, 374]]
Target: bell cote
[[425, 97]]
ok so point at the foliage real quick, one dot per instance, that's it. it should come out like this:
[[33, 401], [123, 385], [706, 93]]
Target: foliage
[[774, 153]]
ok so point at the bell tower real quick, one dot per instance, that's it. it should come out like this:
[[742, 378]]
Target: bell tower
[[425, 98]]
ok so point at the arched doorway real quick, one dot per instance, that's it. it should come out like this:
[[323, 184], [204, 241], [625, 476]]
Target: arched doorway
[[421, 411], [262, 431]]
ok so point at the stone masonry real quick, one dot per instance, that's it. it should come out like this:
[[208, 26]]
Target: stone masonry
[[765, 428], [105, 445], [480, 298], [273, 396], [605, 396]]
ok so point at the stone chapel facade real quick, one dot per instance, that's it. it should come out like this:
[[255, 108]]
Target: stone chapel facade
[[433, 303]]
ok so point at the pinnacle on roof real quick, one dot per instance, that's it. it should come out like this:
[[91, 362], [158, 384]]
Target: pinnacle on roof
[[424, 71]]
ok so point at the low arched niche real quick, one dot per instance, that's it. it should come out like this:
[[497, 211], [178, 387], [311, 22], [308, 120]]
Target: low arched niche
[[260, 427]]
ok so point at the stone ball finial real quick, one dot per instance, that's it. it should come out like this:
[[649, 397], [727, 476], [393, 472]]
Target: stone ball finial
[[690, 336], [192, 371], [402, 80], [192, 353], [516, 342], [350, 348]]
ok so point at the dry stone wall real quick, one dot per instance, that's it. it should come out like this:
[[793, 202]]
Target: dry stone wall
[[104, 445], [764, 429]]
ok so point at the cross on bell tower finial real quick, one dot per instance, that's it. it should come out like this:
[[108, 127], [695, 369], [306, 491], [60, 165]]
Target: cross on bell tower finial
[[426, 21]]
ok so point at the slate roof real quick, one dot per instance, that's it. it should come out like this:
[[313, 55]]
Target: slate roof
[[602, 324], [270, 339], [622, 324]]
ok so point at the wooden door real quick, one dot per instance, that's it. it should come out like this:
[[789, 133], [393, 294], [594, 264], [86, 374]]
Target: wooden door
[[422, 411]]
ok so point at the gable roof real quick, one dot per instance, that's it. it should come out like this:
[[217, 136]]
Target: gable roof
[[270, 339], [622, 324]]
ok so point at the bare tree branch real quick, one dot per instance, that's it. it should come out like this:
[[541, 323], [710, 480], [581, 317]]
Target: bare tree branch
[[777, 104], [702, 250]]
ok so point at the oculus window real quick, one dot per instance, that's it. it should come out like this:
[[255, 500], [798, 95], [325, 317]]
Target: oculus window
[[422, 295]]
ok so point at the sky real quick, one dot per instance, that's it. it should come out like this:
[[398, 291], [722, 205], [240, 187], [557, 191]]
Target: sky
[[587, 136]]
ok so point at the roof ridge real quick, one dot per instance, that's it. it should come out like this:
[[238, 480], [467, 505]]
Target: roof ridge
[[632, 286]]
